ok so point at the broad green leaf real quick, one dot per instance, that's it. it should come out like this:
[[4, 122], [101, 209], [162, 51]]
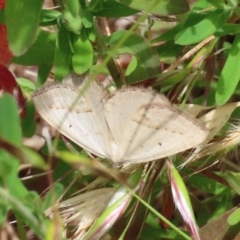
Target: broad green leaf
[[41, 52], [227, 28], [218, 3], [87, 19], [49, 17], [159, 7], [27, 86], [169, 51], [9, 166], [234, 218], [199, 31], [10, 129], [168, 35], [111, 8], [148, 63], [71, 22], [204, 4], [22, 19], [28, 123], [82, 58], [222, 203], [43, 73], [91, 35], [62, 61], [230, 74], [206, 184], [95, 5], [73, 7], [131, 67]]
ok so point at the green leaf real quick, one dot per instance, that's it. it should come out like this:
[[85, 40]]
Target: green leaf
[[9, 166], [206, 184], [48, 17], [10, 129], [28, 123], [147, 59], [82, 58], [62, 61], [22, 18], [111, 8], [234, 218], [218, 3], [73, 7], [26, 85], [95, 5], [43, 73], [91, 34], [71, 22], [199, 31], [87, 19], [230, 74], [228, 28], [131, 67], [168, 35], [41, 52], [168, 51], [159, 7]]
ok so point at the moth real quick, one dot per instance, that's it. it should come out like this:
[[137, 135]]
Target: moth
[[131, 125]]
